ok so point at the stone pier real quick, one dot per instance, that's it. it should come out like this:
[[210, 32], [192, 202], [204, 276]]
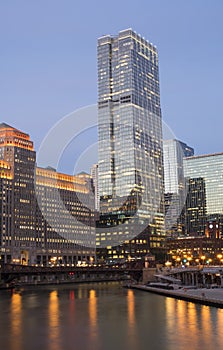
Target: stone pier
[[149, 274]]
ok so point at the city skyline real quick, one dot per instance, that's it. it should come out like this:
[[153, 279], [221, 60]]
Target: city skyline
[[111, 174], [50, 71]]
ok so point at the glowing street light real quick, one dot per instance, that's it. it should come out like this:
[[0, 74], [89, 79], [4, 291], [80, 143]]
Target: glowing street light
[[219, 256], [168, 263], [178, 259], [189, 259], [209, 261], [203, 257]]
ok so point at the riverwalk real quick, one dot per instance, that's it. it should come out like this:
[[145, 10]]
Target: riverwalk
[[205, 296]]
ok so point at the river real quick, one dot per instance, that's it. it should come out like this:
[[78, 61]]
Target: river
[[104, 316]]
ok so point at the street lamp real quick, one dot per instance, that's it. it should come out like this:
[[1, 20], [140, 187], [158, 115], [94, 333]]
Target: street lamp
[[219, 256], [209, 261], [189, 259], [203, 257], [178, 259], [168, 264]]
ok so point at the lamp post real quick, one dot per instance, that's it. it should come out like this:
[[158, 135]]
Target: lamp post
[[203, 257], [209, 261], [168, 264], [178, 259], [189, 259], [219, 256], [197, 261]]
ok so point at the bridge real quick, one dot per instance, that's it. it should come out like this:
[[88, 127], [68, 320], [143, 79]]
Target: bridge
[[13, 275]]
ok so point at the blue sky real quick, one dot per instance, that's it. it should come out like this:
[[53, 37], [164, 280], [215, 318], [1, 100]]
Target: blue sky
[[48, 65]]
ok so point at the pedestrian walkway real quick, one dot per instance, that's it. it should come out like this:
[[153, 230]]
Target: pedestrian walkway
[[206, 296]]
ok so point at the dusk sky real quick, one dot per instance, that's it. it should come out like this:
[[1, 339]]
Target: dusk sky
[[48, 63]]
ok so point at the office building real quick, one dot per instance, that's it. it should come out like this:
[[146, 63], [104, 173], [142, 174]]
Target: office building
[[65, 222], [45, 215], [173, 153], [204, 201], [175, 192], [197, 250], [94, 176], [130, 146], [18, 213]]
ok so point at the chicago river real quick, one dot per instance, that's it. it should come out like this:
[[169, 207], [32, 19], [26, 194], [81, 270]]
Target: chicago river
[[103, 316]]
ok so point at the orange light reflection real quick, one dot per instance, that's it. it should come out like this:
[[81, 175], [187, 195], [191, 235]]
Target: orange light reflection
[[54, 333], [92, 308], [132, 334], [16, 321]]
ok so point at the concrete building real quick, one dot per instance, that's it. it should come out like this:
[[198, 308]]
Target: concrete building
[[45, 216]]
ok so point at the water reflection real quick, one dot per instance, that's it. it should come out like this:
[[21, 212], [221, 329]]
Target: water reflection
[[16, 321], [132, 332], [92, 308], [196, 326], [105, 316], [182, 320], [192, 323], [131, 308], [54, 329], [219, 326], [72, 309]]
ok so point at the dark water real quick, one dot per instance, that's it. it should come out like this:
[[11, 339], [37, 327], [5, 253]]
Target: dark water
[[102, 317]]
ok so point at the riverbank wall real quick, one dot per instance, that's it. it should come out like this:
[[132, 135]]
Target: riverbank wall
[[204, 296]]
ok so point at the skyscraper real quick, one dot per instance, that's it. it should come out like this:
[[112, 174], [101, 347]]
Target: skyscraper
[[173, 153], [17, 152], [94, 175], [205, 192], [175, 192], [130, 139]]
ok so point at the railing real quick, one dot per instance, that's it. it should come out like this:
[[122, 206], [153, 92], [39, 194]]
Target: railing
[[13, 268]]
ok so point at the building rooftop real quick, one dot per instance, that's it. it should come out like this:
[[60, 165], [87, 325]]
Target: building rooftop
[[5, 126], [204, 155]]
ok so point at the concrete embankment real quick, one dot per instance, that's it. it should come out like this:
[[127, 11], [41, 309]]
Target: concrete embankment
[[210, 297]]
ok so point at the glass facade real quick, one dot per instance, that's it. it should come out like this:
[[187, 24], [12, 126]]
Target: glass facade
[[94, 175], [175, 192], [205, 191], [173, 153], [130, 133]]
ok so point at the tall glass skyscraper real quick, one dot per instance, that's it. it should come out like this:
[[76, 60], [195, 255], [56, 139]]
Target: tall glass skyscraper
[[174, 152], [175, 191], [130, 137], [204, 175]]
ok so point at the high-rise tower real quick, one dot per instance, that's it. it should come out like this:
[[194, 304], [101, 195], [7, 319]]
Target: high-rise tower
[[16, 149], [130, 138], [174, 151], [204, 203], [94, 175]]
